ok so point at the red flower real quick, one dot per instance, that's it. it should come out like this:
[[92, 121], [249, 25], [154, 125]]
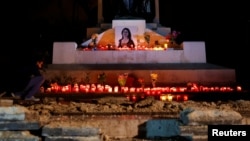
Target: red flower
[[173, 35]]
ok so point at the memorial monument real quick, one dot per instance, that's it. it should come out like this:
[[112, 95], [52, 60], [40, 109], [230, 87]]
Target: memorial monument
[[128, 9], [184, 65]]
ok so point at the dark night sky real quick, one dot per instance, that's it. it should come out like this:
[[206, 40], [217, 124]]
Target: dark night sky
[[33, 25]]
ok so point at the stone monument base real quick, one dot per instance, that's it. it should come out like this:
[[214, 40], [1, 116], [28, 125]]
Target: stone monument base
[[169, 74]]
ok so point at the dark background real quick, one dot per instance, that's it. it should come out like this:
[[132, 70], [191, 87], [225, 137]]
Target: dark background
[[29, 28]]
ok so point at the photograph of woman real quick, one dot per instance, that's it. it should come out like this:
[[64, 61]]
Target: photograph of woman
[[126, 40]]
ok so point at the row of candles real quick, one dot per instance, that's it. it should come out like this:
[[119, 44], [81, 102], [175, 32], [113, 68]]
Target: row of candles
[[139, 47], [98, 88], [162, 97], [158, 91]]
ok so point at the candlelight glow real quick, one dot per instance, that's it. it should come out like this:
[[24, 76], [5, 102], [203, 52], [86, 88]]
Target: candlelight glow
[[166, 97], [140, 92], [239, 88]]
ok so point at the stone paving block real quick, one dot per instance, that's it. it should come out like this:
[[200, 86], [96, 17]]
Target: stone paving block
[[161, 128], [199, 138], [68, 129], [73, 138], [122, 127], [194, 130], [6, 102], [210, 116], [11, 117], [12, 113], [18, 136], [245, 121], [20, 125]]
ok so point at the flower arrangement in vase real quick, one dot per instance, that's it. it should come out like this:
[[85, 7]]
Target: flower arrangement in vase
[[147, 38], [122, 79], [154, 77], [102, 78], [142, 82], [171, 38], [93, 41], [87, 78]]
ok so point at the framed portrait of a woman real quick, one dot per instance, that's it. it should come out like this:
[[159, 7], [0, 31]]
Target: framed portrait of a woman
[[125, 36]]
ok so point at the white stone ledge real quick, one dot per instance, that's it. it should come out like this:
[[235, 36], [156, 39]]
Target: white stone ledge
[[67, 53]]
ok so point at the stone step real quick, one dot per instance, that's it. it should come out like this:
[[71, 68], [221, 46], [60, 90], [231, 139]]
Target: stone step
[[163, 31], [168, 74], [73, 138], [13, 113], [19, 125], [105, 26], [152, 26], [6, 102], [199, 138], [70, 129], [18, 136], [194, 130]]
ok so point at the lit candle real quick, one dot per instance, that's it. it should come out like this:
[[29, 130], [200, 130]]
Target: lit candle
[[132, 89], [48, 90], [116, 88], [101, 89], [86, 89], [182, 89], [93, 89], [152, 91], [163, 97], [56, 88], [158, 90], [76, 89], [63, 89], [212, 89], [216, 88], [98, 85], [128, 98], [138, 90], [170, 97], [67, 88], [134, 98], [93, 85], [173, 89], [185, 97], [147, 91], [52, 88], [166, 89], [165, 45], [178, 97], [110, 89], [42, 89], [238, 88], [125, 89], [82, 87]]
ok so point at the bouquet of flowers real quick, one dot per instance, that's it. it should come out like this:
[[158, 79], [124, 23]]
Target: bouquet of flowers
[[142, 82], [93, 38], [154, 77], [173, 35], [147, 38], [172, 39], [122, 78], [102, 78], [87, 78]]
